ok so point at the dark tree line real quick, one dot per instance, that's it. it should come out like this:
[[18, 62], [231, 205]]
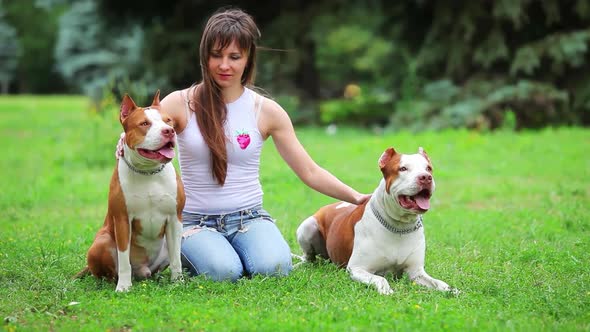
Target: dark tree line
[[407, 64]]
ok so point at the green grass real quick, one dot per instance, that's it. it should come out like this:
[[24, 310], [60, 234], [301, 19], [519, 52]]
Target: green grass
[[509, 227]]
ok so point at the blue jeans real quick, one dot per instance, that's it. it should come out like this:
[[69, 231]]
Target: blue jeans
[[226, 247]]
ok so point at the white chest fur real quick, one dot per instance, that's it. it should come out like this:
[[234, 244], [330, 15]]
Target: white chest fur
[[149, 198], [381, 251]]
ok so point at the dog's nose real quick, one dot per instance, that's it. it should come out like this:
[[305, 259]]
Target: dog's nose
[[168, 132], [425, 179]]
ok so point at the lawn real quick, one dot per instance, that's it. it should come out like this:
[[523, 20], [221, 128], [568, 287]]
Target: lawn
[[509, 227]]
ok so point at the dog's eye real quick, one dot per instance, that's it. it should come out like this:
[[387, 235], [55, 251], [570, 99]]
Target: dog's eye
[[429, 169], [145, 123], [403, 169]]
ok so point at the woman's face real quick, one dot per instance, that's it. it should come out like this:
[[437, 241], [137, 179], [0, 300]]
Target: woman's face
[[227, 65]]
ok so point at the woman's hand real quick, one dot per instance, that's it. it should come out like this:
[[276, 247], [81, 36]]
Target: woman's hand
[[362, 198]]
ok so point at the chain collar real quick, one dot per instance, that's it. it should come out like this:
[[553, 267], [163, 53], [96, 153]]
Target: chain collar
[[390, 227], [139, 171]]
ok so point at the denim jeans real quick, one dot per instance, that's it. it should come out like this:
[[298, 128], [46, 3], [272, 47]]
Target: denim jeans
[[227, 247]]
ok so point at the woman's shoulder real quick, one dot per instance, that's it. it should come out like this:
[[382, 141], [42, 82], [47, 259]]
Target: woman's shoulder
[[176, 97], [176, 105], [268, 103], [272, 116]]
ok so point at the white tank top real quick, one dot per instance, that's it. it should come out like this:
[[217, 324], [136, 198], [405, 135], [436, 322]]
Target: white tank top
[[242, 189]]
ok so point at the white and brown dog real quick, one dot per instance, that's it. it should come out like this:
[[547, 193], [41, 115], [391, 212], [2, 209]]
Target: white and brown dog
[[383, 235], [142, 229]]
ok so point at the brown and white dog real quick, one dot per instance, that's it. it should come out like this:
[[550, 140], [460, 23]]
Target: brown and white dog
[[383, 235], [142, 229]]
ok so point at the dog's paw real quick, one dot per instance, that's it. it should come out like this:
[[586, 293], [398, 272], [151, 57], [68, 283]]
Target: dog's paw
[[441, 285], [176, 276], [387, 291], [122, 287], [302, 260], [383, 286]]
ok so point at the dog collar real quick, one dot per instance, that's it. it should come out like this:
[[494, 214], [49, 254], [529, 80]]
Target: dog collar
[[140, 171], [390, 227]]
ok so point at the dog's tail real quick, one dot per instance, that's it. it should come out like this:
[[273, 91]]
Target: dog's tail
[[85, 272]]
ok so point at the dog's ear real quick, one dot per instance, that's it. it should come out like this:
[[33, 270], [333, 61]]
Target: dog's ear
[[389, 163], [386, 157], [127, 106], [156, 101], [424, 154]]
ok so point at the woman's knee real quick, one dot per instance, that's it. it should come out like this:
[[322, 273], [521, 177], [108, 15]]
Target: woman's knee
[[214, 269], [208, 253], [271, 265], [263, 250]]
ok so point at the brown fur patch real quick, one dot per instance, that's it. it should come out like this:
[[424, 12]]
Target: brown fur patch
[[135, 136], [117, 213], [389, 164], [337, 228], [180, 198]]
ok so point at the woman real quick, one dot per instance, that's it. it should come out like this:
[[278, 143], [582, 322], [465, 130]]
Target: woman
[[221, 126]]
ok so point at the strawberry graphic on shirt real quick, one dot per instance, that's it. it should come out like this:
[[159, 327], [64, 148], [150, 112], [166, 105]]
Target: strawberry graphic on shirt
[[243, 139]]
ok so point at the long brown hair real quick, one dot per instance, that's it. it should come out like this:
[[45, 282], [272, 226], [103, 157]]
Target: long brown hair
[[222, 28]]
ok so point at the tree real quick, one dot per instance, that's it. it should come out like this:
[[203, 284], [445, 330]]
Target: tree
[[36, 24], [91, 55]]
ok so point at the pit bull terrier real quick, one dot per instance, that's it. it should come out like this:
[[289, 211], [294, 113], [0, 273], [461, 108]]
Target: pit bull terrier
[[382, 235], [142, 228]]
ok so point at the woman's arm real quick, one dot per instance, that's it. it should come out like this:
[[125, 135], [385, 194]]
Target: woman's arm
[[275, 122]]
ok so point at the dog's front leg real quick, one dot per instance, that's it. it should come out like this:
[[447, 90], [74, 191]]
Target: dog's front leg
[[123, 240], [420, 277], [361, 275], [173, 237]]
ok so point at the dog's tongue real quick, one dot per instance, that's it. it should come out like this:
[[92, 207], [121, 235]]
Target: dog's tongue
[[423, 202], [167, 152]]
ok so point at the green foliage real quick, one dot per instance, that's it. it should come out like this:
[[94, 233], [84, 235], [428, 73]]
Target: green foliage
[[527, 82], [492, 49], [394, 49], [36, 24], [482, 104], [509, 121], [580, 87], [91, 54], [361, 107], [10, 51], [465, 67], [562, 49], [296, 110], [349, 47], [511, 235], [351, 51]]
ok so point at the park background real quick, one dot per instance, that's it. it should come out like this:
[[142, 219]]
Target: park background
[[392, 65], [497, 92]]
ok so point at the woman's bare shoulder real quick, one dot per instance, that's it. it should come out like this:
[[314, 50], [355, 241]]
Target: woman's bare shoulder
[[175, 104], [272, 117]]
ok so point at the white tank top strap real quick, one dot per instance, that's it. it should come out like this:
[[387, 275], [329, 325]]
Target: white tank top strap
[[187, 104], [259, 99]]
